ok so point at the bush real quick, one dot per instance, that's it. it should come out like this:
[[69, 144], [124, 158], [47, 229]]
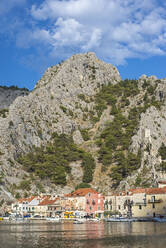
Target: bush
[[162, 151], [3, 112], [83, 185], [85, 134]]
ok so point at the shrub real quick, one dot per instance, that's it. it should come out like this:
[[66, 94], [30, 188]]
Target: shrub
[[162, 151], [3, 112], [83, 185], [85, 134]]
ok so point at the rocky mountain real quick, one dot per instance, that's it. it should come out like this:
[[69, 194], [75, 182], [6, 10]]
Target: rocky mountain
[[7, 97], [9, 94], [82, 123]]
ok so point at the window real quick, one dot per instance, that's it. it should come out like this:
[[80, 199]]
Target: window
[[119, 207], [140, 207], [98, 207], [90, 208], [89, 194], [98, 200], [153, 205], [111, 207]]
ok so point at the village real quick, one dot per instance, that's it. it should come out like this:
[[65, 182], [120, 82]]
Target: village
[[87, 203]]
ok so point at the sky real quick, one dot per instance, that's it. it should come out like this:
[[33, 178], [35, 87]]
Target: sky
[[36, 34]]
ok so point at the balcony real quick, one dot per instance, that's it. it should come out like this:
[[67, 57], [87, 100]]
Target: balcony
[[139, 203], [155, 201]]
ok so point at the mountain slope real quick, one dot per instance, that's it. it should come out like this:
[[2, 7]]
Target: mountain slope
[[82, 123]]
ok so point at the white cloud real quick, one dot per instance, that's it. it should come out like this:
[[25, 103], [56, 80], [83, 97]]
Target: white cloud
[[115, 29]]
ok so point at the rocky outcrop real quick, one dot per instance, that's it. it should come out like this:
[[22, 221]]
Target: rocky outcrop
[[56, 104], [63, 101], [9, 94]]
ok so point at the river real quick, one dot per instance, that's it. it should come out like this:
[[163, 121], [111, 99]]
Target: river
[[87, 235]]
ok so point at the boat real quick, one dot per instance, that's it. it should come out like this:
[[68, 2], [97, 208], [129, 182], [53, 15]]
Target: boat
[[94, 220], [120, 219], [53, 219], [159, 219], [78, 221]]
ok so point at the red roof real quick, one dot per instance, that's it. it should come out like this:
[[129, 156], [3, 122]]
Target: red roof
[[148, 191], [82, 192], [152, 191], [26, 199], [47, 201], [137, 191]]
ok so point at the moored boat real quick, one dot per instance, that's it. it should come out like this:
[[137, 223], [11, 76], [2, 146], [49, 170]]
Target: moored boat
[[120, 219], [53, 219]]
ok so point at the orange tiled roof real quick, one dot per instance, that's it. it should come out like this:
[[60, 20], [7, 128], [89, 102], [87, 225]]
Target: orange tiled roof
[[137, 191], [152, 191], [26, 199], [82, 192], [148, 191], [47, 201]]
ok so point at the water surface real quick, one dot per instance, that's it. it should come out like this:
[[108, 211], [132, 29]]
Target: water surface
[[88, 235]]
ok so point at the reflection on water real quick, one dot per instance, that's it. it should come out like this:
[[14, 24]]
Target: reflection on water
[[87, 235]]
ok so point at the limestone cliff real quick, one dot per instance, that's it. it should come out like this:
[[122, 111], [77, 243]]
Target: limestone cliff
[[67, 100]]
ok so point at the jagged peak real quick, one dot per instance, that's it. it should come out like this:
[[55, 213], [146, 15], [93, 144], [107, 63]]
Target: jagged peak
[[76, 68], [152, 77]]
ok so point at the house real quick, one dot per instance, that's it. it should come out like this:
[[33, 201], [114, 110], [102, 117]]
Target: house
[[118, 204], [22, 206], [49, 207], [34, 205], [141, 202], [154, 203], [27, 206], [85, 201]]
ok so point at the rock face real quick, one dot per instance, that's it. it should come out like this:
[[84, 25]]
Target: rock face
[[9, 94], [63, 102], [55, 105]]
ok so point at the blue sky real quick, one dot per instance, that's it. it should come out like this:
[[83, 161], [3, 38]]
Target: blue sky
[[35, 34]]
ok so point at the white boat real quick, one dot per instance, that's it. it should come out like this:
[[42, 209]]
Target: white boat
[[94, 220], [52, 219], [78, 221], [120, 219]]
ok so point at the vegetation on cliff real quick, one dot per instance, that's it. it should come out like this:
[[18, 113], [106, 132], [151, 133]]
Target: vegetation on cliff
[[53, 161], [116, 138]]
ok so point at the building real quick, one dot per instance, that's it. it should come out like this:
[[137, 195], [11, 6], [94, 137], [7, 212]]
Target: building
[[86, 201], [141, 202], [153, 203], [21, 207], [49, 207]]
